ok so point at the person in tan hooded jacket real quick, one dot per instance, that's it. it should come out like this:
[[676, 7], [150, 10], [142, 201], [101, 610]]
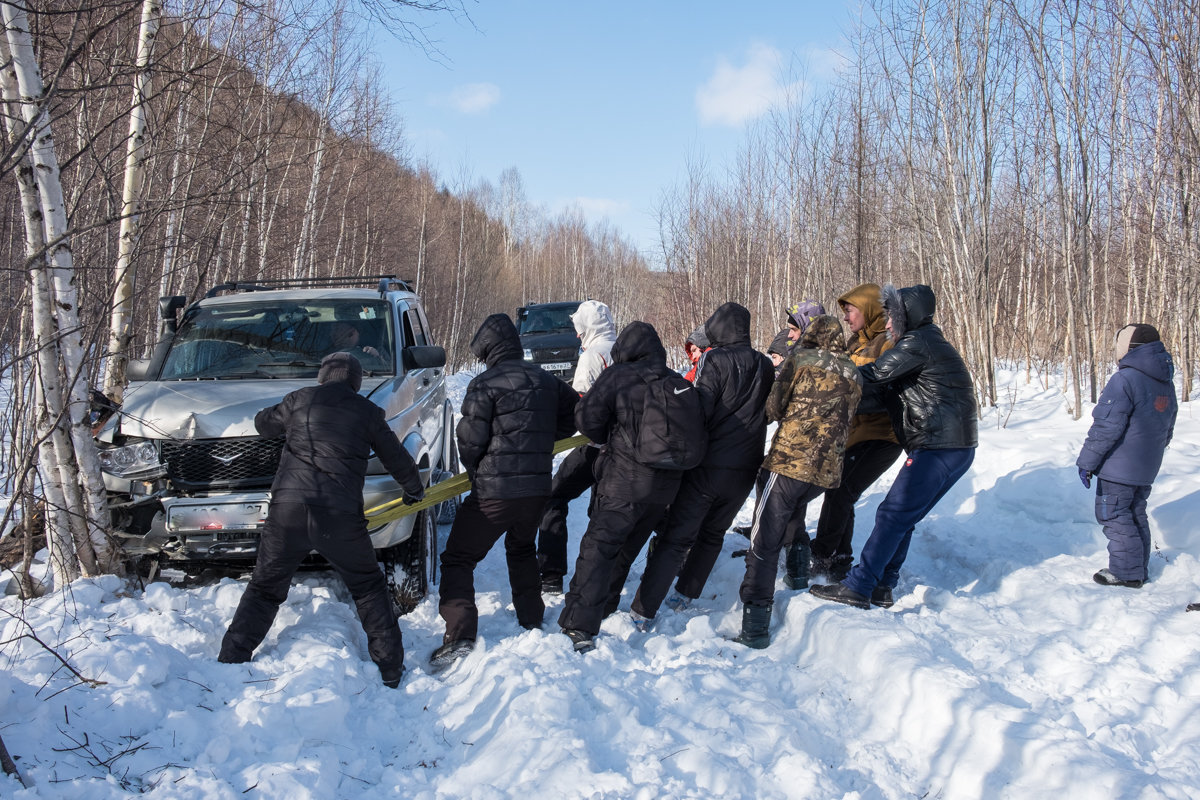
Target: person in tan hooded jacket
[[871, 449]]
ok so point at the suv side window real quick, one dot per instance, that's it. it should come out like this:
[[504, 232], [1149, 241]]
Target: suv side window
[[425, 324], [413, 332]]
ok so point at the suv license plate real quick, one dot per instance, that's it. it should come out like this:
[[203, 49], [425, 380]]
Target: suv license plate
[[248, 516], [557, 366]]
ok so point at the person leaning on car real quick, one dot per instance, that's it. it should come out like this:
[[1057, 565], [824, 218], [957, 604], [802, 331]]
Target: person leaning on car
[[317, 504]]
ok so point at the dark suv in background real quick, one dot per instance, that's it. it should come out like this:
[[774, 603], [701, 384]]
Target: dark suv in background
[[548, 336]]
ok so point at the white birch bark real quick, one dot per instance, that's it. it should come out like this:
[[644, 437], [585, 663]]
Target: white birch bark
[[121, 322], [62, 275]]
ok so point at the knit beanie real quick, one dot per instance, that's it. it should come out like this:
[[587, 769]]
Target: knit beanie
[[341, 367], [1131, 336], [780, 345]]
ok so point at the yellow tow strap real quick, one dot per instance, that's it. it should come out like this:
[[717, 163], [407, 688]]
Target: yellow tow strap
[[441, 492]]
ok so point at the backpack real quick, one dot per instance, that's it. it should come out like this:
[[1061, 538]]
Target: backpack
[[672, 433]]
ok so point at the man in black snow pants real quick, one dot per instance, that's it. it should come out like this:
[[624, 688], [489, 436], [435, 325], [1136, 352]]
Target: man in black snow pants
[[512, 413], [317, 504], [734, 380], [630, 497]]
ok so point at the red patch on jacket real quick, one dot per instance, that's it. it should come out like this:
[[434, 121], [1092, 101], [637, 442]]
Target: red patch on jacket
[[908, 462], [1162, 403]]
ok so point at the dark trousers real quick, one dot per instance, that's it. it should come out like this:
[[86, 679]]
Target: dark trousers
[[613, 522], [925, 477], [1121, 509], [478, 525], [291, 532], [864, 463], [699, 519], [574, 477], [774, 517]]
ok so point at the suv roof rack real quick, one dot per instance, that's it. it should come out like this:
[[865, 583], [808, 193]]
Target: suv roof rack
[[383, 282]]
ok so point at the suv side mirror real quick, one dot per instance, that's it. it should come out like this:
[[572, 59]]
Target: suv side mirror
[[136, 369], [424, 356]]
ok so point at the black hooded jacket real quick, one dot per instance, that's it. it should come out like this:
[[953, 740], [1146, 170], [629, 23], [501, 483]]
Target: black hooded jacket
[[610, 414], [330, 432], [734, 380], [922, 381], [512, 413]]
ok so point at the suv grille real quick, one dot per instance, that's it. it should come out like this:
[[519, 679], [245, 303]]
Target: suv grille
[[224, 463], [542, 354]]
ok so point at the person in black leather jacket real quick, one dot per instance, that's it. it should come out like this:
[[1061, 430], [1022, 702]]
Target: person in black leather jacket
[[734, 380], [512, 413], [629, 497], [927, 391], [317, 504]]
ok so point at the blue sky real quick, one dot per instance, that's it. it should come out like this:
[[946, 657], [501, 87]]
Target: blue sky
[[602, 105]]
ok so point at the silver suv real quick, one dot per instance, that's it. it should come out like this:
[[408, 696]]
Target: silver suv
[[188, 476]]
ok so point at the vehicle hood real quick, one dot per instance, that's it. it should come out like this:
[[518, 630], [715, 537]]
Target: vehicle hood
[[204, 409], [551, 339]]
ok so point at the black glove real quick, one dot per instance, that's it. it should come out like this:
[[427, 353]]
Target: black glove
[[1085, 478], [413, 499]]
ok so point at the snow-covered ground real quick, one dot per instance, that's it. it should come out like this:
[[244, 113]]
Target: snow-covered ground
[[1003, 671]]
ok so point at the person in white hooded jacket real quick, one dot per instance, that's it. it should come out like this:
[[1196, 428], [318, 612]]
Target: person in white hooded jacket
[[594, 323]]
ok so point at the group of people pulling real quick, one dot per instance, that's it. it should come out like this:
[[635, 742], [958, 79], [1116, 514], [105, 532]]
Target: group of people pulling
[[677, 456]]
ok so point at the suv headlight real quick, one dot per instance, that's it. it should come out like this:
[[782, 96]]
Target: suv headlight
[[528, 354], [130, 459]]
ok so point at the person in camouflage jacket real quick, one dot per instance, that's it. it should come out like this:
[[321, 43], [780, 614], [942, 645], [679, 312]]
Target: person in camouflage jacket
[[813, 401], [871, 449]]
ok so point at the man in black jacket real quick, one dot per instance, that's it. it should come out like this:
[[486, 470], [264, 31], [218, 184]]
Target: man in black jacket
[[927, 391], [512, 413], [733, 380], [317, 504], [630, 497]]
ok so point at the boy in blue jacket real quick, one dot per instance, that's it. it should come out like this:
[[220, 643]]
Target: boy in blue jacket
[[1131, 427]]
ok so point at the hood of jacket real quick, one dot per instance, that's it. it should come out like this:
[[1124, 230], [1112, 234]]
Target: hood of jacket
[[824, 332], [1151, 359], [908, 308], [594, 323], [496, 340], [729, 324], [802, 314], [868, 299], [639, 342]]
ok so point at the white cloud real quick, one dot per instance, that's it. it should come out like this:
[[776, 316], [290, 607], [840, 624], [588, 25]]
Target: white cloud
[[595, 208], [473, 98], [737, 94]]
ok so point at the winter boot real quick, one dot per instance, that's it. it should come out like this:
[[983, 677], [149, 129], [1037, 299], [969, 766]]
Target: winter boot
[[798, 554], [839, 567], [677, 602], [552, 584], [450, 652], [841, 593], [756, 624], [643, 624], [882, 596], [1106, 578], [582, 641], [391, 676]]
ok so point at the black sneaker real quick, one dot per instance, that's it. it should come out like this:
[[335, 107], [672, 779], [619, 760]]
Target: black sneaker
[[582, 641], [450, 652], [1106, 578], [552, 584], [882, 596], [840, 593]]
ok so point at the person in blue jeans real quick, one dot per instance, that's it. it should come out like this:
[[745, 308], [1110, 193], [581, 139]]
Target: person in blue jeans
[[924, 385], [1132, 425]]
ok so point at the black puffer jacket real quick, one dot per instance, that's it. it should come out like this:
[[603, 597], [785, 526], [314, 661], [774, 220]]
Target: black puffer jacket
[[734, 380], [610, 414], [512, 413], [922, 381], [330, 432]]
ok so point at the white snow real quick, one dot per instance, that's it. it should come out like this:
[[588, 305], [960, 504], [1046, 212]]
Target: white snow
[[1003, 671]]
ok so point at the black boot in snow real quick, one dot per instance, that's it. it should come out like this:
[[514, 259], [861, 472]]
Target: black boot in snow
[[798, 554], [1106, 578], [450, 652], [756, 625]]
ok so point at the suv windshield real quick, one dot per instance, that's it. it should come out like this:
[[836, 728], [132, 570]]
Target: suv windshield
[[544, 320], [256, 340]]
